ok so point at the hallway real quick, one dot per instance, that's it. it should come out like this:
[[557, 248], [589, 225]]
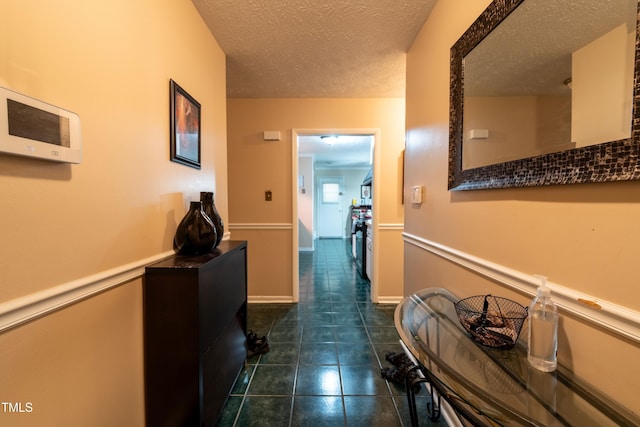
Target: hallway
[[323, 367]]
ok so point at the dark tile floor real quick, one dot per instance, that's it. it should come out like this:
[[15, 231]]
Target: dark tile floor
[[326, 352]]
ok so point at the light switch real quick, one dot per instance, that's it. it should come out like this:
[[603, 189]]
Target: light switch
[[416, 194], [268, 196]]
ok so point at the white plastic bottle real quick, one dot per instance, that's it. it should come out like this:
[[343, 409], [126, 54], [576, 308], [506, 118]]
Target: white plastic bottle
[[543, 329]]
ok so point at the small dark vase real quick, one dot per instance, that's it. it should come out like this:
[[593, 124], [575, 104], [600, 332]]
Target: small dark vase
[[196, 233], [209, 207]]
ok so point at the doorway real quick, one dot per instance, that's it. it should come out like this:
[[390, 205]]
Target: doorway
[[330, 191]]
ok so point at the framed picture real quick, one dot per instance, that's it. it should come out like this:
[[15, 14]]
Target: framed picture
[[185, 127], [365, 191]]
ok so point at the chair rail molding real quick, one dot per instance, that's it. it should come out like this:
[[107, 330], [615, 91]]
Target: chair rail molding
[[16, 312], [385, 226], [612, 317], [261, 226]]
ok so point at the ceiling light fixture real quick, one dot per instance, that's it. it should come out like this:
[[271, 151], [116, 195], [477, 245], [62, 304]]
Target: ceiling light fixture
[[329, 139]]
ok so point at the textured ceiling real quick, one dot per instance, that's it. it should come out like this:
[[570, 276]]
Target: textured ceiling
[[315, 48], [530, 52]]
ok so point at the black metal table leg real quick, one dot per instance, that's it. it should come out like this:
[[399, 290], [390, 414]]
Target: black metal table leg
[[433, 407], [411, 397]]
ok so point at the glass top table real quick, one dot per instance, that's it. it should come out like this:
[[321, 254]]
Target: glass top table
[[490, 387]]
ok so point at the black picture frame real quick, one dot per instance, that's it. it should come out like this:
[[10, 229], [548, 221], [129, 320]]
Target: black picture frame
[[184, 127], [365, 191]]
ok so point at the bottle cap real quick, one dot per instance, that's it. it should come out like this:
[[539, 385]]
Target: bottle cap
[[543, 290]]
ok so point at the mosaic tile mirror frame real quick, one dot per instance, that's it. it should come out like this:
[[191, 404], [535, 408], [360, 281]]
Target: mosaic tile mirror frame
[[614, 159]]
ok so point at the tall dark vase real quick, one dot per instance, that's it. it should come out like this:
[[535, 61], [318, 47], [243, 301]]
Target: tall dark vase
[[209, 207], [196, 233]]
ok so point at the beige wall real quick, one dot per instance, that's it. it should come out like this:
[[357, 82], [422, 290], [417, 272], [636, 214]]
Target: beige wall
[[583, 236], [256, 166], [110, 62], [519, 127], [602, 86]]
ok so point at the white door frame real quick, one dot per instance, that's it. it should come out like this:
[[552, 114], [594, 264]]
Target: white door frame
[[295, 133]]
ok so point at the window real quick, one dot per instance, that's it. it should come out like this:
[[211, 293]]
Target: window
[[330, 192]]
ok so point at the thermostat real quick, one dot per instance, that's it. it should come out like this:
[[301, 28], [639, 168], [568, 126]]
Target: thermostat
[[33, 128]]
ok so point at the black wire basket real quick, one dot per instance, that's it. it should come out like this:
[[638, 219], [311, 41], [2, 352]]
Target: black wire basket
[[491, 321]]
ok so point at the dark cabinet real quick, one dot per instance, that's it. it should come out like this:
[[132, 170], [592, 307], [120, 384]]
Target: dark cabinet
[[195, 310]]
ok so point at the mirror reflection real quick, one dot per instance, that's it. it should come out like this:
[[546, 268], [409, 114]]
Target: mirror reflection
[[554, 75]]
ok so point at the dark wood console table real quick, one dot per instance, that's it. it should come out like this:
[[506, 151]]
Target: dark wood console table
[[195, 310], [490, 387]]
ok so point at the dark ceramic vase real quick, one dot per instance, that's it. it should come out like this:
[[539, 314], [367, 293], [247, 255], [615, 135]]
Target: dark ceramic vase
[[196, 233], [209, 207]]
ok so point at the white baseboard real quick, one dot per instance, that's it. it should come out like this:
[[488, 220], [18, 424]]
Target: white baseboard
[[390, 300], [265, 299]]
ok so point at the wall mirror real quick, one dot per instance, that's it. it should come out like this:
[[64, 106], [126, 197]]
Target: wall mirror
[[545, 92]]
